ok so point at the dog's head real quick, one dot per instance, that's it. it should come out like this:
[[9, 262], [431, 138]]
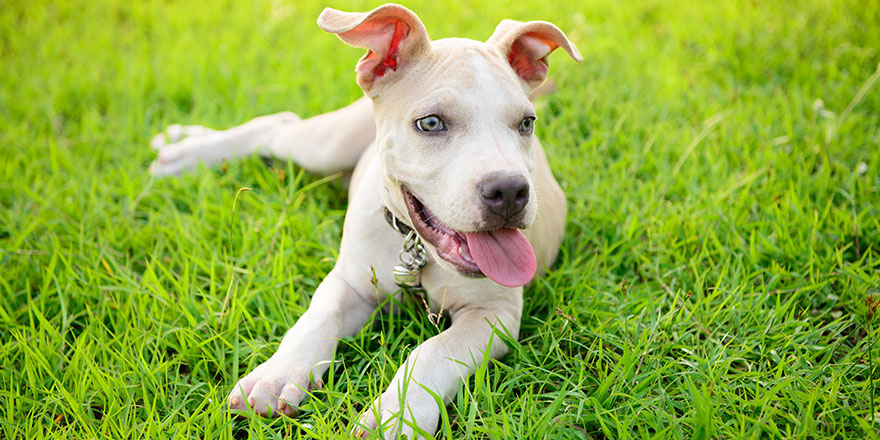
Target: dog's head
[[455, 132]]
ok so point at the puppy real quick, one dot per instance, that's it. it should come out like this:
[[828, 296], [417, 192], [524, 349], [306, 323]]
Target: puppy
[[451, 198]]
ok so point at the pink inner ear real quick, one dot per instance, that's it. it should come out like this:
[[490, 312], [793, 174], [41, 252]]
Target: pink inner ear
[[528, 57], [390, 61], [384, 43]]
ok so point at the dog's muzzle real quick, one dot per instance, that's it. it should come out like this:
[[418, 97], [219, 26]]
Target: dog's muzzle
[[504, 199], [503, 254]]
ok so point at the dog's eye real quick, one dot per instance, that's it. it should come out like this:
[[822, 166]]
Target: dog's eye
[[527, 125], [430, 124]]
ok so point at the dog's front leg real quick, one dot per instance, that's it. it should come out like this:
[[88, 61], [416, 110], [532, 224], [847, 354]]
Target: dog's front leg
[[280, 384], [439, 365]]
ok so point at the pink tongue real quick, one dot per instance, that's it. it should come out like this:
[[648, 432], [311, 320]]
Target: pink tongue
[[504, 255]]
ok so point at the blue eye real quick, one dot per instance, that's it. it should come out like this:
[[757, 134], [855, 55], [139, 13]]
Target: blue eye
[[527, 125], [430, 124]]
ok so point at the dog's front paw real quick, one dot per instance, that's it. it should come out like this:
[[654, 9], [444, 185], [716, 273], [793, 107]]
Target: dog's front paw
[[385, 419], [273, 388]]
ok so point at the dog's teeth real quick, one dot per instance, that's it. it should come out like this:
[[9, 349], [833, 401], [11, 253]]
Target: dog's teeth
[[464, 255]]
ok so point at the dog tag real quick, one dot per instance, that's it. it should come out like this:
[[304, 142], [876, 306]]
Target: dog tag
[[405, 276]]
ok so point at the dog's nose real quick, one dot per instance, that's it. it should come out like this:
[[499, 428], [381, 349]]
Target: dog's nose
[[505, 196]]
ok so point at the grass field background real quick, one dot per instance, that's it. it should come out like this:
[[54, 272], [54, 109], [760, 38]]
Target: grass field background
[[718, 277]]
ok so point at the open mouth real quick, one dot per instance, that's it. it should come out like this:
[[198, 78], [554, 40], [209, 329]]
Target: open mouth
[[504, 255]]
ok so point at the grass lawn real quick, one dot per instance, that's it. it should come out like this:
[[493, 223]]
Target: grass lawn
[[718, 278]]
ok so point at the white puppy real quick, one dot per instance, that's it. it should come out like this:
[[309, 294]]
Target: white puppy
[[442, 144]]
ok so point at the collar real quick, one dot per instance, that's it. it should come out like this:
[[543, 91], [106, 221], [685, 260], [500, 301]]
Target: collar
[[395, 222]]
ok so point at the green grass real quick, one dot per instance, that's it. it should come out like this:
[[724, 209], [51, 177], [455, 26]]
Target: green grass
[[722, 250]]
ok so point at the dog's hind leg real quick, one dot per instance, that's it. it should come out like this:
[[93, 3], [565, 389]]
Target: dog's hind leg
[[176, 132], [323, 144], [182, 148], [330, 142]]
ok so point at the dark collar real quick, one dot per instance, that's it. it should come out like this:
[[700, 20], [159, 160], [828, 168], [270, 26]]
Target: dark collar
[[395, 222]]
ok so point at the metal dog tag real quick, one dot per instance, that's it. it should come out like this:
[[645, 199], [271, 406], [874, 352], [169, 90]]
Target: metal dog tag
[[406, 276], [413, 258]]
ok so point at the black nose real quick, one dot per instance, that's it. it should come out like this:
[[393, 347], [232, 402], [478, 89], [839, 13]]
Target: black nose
[[504, 196]]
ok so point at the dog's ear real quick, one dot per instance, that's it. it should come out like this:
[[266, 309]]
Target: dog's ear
[[392, 35], [527, 46]]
